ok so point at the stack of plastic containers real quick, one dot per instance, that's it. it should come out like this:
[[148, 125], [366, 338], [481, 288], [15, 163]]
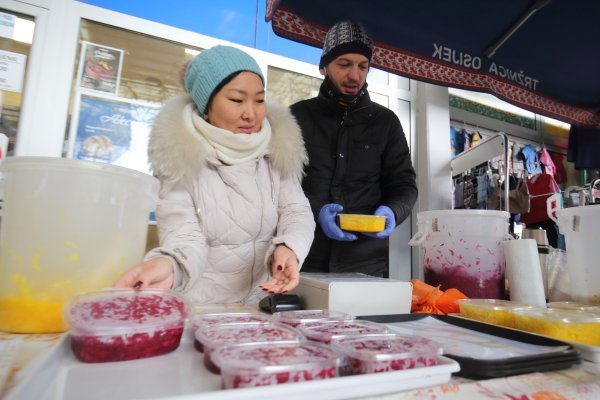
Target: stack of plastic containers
[[303, 345]]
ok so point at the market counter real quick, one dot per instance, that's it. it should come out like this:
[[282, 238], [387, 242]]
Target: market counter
[[34, 365]]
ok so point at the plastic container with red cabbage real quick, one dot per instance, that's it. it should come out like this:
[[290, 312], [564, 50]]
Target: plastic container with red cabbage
[[203, 321], [296, 318], [263, 364], [329, 331], [217, 336], [125, 324], [387, 352]]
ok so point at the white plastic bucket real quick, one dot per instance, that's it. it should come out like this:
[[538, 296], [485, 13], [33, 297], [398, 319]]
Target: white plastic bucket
[[462, 249], [67, 226], [581, 227]]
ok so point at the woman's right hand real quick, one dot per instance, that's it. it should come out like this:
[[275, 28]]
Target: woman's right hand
[[156, 272]]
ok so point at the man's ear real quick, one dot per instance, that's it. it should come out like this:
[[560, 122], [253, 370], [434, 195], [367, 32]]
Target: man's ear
[[323, 71]]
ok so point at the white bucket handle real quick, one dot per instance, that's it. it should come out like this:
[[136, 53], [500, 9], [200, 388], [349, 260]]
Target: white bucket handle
[[553, 204], [423, 229]]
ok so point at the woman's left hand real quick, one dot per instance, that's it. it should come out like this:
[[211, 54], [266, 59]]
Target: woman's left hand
[[285, 275]]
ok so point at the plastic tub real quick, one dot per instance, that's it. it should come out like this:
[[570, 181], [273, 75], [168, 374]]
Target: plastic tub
[[462, 249], [581, 227], [262, 364], [329, 331], [296, 318], [67, 226], [217, 336], [491, 311], [204, 321], [361, 222], [571, 325], [383, 353], [125, 324]]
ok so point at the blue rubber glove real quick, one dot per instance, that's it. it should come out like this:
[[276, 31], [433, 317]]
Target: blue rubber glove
[[390, 222], [330, 228]]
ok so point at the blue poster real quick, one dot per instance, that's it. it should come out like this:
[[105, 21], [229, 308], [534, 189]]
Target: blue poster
[[114, 131]]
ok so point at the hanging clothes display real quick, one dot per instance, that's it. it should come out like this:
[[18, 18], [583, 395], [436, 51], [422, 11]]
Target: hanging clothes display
[[541, 186], [546, 162], [531, 160], [560, 175]]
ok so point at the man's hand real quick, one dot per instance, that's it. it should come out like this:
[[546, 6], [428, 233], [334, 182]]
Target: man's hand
[[329, 226]]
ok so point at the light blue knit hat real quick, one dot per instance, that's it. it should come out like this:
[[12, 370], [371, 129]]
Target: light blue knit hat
[[211, 66]]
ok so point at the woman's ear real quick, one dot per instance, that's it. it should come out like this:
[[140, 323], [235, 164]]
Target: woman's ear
[[323, 71]]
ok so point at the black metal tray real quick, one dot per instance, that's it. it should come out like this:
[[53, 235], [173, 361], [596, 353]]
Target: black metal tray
[[564, 357]]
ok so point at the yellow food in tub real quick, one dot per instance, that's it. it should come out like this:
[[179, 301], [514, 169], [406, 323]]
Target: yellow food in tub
[[491, 311], [362, 223], [24, 314], [571, 325]]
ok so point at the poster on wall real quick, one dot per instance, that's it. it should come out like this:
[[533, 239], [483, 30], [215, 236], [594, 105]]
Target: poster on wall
[[112, 130], [100, 68], [12, 71]]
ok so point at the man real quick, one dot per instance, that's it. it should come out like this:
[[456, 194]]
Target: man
[[359, 160]]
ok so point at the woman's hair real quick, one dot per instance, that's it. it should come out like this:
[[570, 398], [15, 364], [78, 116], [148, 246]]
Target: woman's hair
[[218, 89]]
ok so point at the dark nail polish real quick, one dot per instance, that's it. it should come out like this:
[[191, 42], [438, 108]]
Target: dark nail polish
[[138, 285], [279, 268]]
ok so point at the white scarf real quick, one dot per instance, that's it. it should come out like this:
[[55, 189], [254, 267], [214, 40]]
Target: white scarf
[[231, 148]]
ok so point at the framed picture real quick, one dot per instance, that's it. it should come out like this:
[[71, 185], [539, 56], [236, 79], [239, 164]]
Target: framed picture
[[112, 130], [100, 68]]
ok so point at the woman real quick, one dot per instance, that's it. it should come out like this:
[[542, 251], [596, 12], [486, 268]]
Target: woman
[[231, 208]]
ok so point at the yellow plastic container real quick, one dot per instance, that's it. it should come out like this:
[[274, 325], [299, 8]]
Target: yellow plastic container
[[491, 311], [362, 223], [571, 325]]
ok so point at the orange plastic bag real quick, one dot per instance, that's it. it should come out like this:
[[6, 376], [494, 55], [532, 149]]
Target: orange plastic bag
[[431, 300]]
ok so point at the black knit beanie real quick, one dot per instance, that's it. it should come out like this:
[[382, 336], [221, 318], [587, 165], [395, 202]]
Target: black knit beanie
[[343, 38]]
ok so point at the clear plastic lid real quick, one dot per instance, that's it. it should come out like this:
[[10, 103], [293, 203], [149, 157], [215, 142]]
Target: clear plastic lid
[[204, 320], [275, 357], [261, 364], [387, 347], [492, 304], [300, 317], [571, 305], [219, 335], [328, 331], [562, 316], [121, 311]]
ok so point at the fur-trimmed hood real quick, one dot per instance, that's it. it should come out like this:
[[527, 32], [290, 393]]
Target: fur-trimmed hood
[[176, 153]]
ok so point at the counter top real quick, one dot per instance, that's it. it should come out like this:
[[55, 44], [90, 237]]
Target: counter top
[[18, 352]]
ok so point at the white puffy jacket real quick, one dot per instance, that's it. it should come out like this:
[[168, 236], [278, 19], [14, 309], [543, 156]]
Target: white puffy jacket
[[220, 223]]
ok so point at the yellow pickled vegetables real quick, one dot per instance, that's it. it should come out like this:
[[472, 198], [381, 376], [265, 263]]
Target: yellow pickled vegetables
[[362, 223], [576, 326], [24, 314]]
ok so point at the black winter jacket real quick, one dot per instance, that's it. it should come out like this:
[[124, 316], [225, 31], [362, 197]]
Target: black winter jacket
[[359, 158]]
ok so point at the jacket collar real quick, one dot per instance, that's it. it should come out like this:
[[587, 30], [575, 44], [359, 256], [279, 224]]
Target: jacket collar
[[176, 154], [335, 98]]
